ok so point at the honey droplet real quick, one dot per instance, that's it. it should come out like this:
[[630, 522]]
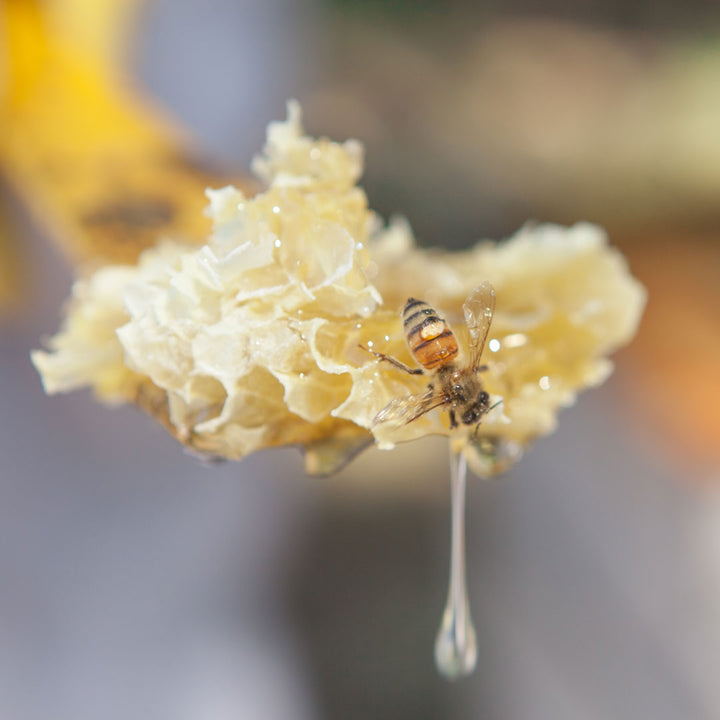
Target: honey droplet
[[456, 642]]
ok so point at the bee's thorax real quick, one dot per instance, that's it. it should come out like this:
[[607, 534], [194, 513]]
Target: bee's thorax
[[464, 392]]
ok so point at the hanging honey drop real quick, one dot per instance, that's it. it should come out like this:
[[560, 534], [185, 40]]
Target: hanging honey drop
[[456, 642]]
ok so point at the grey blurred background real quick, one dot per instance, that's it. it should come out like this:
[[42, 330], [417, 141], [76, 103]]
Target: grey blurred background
[[138, 583]]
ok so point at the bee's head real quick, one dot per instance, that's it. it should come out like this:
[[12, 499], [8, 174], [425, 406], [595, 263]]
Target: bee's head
[[474, 412]]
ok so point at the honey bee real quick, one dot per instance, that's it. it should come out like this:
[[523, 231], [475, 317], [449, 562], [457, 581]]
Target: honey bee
[[434, 345]]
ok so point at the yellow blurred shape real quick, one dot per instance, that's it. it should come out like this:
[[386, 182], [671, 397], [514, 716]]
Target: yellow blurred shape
[[103, 170]]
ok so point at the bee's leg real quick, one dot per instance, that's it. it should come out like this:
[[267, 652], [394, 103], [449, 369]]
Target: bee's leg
[[453, 421], [492, 407], [482, 368], [393, 361]]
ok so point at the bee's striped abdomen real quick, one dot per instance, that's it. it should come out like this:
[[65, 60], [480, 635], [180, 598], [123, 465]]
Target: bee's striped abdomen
[[428, 336]]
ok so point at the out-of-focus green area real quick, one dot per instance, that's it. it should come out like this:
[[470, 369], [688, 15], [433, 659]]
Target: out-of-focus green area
[[527, 116]]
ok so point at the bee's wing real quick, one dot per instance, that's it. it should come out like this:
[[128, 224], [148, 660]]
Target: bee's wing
[[478, 310], [406, 409]]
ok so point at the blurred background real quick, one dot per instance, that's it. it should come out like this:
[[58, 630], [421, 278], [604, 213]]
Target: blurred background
[[138, 583]]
